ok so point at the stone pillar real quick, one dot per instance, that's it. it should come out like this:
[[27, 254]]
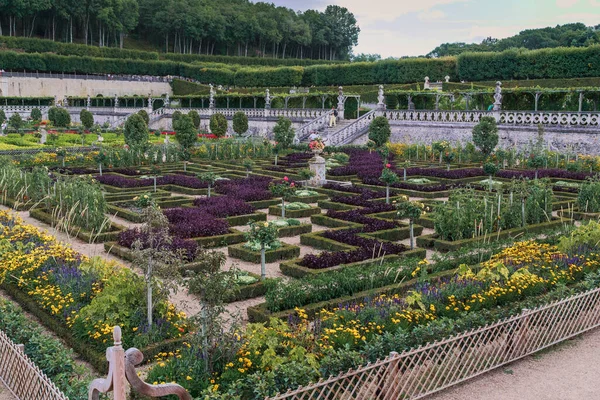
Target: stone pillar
[[89, 103], [537, 98], [116, 103], [211, 99], [580, 101], [341, 100], [167, 101], [150, 104], [426, 84], [447, 78], [317, 165]]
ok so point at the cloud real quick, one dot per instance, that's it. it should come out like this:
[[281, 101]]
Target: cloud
[[367, 12], [432, 15], [566, 3], [594, 3]]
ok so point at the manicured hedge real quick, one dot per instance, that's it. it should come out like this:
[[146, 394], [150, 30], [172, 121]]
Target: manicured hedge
[[257, 61], [381, 72], [560, 62], [285, 252], [276, 210], [264, 77], [32, 45]]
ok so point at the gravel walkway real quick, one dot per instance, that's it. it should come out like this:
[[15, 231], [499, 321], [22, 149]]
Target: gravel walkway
[[568, 371], [5, 394]]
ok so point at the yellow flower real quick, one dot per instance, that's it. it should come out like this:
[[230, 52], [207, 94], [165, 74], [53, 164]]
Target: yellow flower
[[189, 378], [266, 224]]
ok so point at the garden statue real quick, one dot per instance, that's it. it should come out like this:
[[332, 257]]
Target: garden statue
[[211, 98], [426, 85], [56, 103], [267, 98], [380, 98], [116, 101], [89, 102], [167, 101], [150, 101], [65, 101], [447, 78], [498, 96], [411, 105]]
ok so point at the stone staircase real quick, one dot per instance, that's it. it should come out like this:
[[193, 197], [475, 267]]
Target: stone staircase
[[326, 132]]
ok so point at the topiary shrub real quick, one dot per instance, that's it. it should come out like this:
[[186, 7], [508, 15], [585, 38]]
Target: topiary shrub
[[136, 131], [195, 118], [485, 135], [240, 123], [145, 116], [218, 125], [87, 119], [379, 131]]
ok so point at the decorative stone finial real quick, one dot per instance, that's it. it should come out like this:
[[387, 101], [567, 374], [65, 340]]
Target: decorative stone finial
[[117, 336]]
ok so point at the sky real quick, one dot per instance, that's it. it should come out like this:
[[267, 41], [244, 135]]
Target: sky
[[415, 27]]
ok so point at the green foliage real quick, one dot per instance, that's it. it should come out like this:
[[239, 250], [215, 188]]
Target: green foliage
[[586, 235], [2, 117], [306, 173], [240, 123], [87, 118], [145, 116], [175, 118], [388, 176], [185, 132], [36, 115], [248, 164], [144, 200], [218, 124], [485, 135], [262, 233], [15, 121], [136, 131], [379, 131], [195, 118], [588, 199], [490, 168], [284, 133], [409, 209], [59, 117], [284, 189]]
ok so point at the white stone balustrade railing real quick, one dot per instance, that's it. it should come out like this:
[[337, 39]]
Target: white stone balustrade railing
[[347, 134], [550, 118], [436, 116], [305, 130]]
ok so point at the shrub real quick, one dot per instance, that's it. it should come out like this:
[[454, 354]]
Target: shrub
[[15, 121], [224, 206], [185, 132], [240, 123], [588, 198], [87, 118], [136, 131], [218, 124], [36, 115], [2, 117], [59, 117], [379, 131], [145, 116], [175, 118], [584, 236], [195, 118], [485, 135]]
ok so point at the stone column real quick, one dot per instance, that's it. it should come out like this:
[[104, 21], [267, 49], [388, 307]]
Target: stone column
[[537, 98], [498, 96], [211, 100], [89, 103], [580, 101], [341, 100], [317, 165], [150, 104]]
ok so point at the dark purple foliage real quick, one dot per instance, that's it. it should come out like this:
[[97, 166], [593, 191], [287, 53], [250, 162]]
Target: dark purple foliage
[[254, 188], [179, 180], [194, 222], [372, 194], [127, 239], [369, 224], [544, 173], [367, 248], [224, 206]]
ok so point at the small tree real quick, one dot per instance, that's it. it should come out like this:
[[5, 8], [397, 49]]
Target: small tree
[[87, 119], [240, 123], [411, 210], [195, 118], [2, 117], [490, 169], [59, 117], [388, 177], [16, 122], [175, 119], [306, 174], [485, 135], [136, 131], [212, 285], [263, 233], [185, 133], [36, 115], [283, 189], [218, 125], [380, 131], [100, 159], [210, 178], [284, 133], [448, 157], [153, 254], [145, 116], [248, 164], [535, 161]]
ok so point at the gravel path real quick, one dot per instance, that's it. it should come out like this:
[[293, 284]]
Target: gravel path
[[5, 394], [568, 371]]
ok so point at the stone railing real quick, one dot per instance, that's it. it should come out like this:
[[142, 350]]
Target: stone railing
[[584, 119], [9, 110], [591, 119], [297, 113], [436, 116], [351, 132], [305, 130]]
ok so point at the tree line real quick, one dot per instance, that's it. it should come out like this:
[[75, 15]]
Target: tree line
[[211, 27], [568, 35]]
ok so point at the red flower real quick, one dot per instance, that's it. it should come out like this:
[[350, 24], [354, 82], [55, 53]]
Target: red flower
[[292, 184], [285, 178], [388, 165]]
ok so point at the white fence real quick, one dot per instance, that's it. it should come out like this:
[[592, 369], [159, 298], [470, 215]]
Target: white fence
[[428, 369], [22, 377]]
